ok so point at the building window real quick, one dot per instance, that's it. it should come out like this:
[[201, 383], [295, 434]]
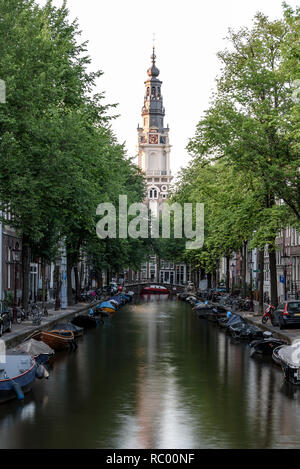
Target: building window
[[153, 194]]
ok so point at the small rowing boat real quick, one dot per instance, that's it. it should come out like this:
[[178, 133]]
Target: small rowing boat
[[87, 321], [56, 339], [68, 326]]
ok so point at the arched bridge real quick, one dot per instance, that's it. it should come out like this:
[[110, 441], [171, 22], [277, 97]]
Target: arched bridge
[[139, 285]]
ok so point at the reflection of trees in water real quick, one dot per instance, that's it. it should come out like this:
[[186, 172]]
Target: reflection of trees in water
[[238, 400]]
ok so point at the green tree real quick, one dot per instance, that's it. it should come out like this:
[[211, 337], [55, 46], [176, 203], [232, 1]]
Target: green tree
[[246, 123]]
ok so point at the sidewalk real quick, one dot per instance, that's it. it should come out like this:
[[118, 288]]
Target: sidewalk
[[22, 331], [289, 335]]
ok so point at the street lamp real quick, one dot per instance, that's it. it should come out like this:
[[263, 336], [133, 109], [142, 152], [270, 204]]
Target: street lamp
[[16, 254]]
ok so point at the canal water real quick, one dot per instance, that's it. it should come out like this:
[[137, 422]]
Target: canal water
[[156, 376]]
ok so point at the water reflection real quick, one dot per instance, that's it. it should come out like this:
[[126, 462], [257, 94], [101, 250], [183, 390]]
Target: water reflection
[[155, 376]]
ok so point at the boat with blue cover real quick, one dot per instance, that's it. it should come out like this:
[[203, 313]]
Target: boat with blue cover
[[107, 307]]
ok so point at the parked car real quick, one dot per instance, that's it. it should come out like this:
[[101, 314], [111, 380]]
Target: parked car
[[287, 313], [5, 318]]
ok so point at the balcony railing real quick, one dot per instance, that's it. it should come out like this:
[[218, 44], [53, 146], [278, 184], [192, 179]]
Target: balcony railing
[[156, 172]]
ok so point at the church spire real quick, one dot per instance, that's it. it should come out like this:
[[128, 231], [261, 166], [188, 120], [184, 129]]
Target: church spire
[[153, 111], [153, 71]]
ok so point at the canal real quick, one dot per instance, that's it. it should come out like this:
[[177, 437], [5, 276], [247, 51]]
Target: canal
[[155, 376]]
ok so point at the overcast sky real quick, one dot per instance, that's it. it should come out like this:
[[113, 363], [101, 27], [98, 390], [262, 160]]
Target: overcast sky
[[188, 36]]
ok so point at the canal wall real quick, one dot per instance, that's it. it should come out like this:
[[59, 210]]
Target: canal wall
[[22, 331], [288, 336]]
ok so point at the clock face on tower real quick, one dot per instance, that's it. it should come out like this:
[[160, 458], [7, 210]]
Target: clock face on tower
[[153, 139]]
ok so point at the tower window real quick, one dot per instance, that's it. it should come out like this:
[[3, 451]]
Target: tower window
[[148, 91], [153, 193], [153, 90]]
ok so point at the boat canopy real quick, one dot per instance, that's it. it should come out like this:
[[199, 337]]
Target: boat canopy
[[290, 355], [107, 304], [33, 347]]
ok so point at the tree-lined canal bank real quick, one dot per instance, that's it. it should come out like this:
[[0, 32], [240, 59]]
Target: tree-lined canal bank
[[155, 376]]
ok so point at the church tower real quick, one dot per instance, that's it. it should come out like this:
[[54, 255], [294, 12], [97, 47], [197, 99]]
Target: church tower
[[153, 141]]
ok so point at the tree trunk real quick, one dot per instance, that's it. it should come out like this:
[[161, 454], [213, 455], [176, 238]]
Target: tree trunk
[[81, 275], [209, 280], [273, 276], [98, 275], [43, 266], [69, 278], [227, 274], [244, 268], [25, 271], [77, 283], [261, 260], [214, 279], [158, 270]]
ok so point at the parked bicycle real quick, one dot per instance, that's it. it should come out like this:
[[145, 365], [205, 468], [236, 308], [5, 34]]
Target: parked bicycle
[[35, 314], [21, 315]]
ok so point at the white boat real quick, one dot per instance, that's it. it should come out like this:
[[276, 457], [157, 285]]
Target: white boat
[[289, 357]]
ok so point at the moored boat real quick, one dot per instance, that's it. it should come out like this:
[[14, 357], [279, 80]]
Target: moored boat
[[37, 349], [217, 313], [156, 289], [234, 319], [203, 310], [245, 331], [107, 306], [86, 321], [57, 339], [275, 356], [68, 326], [266, 345], [289, 357], [17, 376]]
